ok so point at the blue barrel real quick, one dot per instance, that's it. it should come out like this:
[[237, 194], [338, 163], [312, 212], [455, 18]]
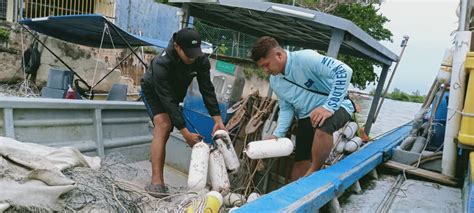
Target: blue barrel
[[439, 122]]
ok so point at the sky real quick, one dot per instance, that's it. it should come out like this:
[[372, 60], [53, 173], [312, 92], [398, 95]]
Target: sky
[[429, 24]]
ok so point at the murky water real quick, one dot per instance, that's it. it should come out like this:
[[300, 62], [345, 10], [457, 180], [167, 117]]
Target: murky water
[[392, 114]]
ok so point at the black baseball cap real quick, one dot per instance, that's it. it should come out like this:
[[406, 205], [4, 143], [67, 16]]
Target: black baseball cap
[[190, 41]]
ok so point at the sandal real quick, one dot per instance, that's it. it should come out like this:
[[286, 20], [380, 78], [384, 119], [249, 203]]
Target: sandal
[[157, 190]]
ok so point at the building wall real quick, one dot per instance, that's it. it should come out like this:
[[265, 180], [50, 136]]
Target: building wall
[[147, 17]]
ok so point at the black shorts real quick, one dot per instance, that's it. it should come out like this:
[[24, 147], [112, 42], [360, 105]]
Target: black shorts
[[305, 132], [151, 100]]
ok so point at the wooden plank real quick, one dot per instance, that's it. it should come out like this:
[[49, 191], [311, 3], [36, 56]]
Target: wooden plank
[[434, 176]]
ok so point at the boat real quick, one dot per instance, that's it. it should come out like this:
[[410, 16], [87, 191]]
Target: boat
[[101, 127]]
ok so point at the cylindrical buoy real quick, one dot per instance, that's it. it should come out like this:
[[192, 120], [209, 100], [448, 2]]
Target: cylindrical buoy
[[419, 144], [444, 73], [252, 196], [198, 167], [407, 143], [350, 130], [234, 199], [335, 137], [218, 173], [213, 202], [353, 144], [269, 148], [224, 144], [340, 146]]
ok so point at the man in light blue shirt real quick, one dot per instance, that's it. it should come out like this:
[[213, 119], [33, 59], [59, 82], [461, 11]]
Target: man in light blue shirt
[[313, 88]]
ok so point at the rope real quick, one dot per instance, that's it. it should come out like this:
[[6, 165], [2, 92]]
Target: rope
[[96, 60], [460, 112]]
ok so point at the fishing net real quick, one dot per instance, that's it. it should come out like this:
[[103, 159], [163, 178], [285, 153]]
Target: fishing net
[[24, 88], [115, 188]]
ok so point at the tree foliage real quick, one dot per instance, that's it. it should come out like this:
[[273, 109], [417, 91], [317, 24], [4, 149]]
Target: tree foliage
[[4, 35], [399, 95]]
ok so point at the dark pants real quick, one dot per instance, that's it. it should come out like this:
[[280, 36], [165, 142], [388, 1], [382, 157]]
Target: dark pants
[[305, 132]]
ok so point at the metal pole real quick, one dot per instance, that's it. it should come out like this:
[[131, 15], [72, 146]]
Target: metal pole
[[462, 42], [463, 15], [64, 63], [336, 40], [403, 45], [375, 101], [126, 42], [105, 76]]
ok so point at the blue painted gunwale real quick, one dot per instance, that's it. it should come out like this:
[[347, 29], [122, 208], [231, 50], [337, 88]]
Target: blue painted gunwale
[[310, 193]]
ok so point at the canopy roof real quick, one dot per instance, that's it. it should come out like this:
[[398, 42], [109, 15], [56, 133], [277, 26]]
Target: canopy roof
[[88, 30], [291, 25]]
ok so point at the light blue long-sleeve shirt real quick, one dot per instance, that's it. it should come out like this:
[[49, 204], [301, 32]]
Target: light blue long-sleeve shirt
[[313, 71]]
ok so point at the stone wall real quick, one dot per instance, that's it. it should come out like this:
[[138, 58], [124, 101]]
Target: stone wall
[[10, 52]]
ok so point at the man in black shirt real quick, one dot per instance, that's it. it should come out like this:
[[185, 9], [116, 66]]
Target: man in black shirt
[[164, 86]]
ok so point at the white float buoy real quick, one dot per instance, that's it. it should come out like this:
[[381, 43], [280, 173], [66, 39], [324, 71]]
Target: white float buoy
[[218, 173], [444, 73], [350, 130], [340, 146], [353, 144], [253, 196], [198, 167], [225, 146], [335, 137], [269, 148], [234, 199], [233, 209]]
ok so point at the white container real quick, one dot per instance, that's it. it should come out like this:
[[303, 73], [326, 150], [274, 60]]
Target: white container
[[225, 146], [218, 173], [253, 196], [198, 167], [353, 144], [444, 73], [233, 209], [350, 130], [234, 199], [335, 137], [269, 148], [340, 146]]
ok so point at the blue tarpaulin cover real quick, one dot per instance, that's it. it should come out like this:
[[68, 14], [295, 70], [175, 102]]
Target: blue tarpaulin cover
[[88, 30]]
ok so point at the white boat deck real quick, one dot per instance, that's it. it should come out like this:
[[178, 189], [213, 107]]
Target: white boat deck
[[173, 177]]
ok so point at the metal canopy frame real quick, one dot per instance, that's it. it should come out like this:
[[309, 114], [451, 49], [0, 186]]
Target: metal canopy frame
[[296, 26], [262, 18], [118, 34]]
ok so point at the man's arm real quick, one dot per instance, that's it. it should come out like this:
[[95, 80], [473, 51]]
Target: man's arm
[[285, 117], [207, 89], [209, 95], [341, 75], [163, 89]]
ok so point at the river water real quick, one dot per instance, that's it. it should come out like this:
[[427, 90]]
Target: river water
[[393, 114]]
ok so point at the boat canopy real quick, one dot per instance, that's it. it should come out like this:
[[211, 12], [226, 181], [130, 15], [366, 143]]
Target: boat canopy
[[291, 25], [88, 30]]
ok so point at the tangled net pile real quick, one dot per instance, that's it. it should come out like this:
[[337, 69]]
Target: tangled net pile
[[24, 88], [114, 188]]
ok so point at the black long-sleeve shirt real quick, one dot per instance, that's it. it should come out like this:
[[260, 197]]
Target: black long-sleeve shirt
[[170, 79]]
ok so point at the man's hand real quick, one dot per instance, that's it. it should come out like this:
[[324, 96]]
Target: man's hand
[[191, 138], [218, 124], [319, 115], [270, 137]]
